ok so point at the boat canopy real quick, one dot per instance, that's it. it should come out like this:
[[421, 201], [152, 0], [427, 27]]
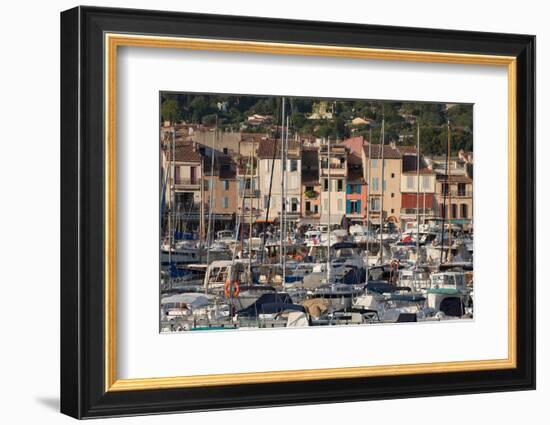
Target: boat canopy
[[192, 299], [344, 245]]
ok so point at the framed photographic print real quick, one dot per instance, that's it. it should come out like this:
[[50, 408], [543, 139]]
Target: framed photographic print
[[261, 212]]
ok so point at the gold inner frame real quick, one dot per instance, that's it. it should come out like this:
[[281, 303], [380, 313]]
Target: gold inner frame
[[113, 41]]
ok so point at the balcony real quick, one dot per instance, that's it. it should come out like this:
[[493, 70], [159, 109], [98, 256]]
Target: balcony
[[251, 193], [457, 193], [336, 170], [189, 184]]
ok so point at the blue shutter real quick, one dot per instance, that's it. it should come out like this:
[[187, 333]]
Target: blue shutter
[[348, 188], [359, 206], [348, 206]]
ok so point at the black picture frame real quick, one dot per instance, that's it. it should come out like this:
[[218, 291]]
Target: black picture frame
[[83, 392]]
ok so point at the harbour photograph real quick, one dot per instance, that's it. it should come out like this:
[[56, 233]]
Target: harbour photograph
[[286, 212]]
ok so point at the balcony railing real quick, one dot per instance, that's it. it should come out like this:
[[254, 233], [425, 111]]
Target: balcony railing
[[250, 193], [190, 184], [457, 193]]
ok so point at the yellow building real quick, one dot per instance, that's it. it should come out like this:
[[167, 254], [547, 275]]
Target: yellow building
[[383, 177]]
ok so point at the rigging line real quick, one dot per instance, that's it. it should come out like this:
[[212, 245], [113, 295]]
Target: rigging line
[[269, 193]]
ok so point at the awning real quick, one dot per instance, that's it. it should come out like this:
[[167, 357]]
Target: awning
[[334, 219]]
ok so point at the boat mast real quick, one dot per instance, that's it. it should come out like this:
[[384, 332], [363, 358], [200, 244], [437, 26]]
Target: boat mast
[[417, 192], [201, 211], [328, 277], [382, 197], [211, 200], [447, 189], [284, 222], [368, 197], [281, 241], [449, 186]]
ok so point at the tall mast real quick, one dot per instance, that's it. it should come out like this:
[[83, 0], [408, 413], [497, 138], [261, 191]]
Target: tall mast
[[201, 211], [284, 222], [368, 198], [329, 217], [281, 247], [447, 190], [210, 201], [382, 197], [174, 185], [417, 192], [449, 186]]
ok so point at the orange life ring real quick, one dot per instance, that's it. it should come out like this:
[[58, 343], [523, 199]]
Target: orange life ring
[[227, 291]]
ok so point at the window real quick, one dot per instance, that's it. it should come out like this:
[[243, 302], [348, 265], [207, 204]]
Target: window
[[177, 174], [225, 151], [325, 185], [225, 202], [453, 211], [294, 205], [392, 211], [462, 189], [410, 182], [226, 185], [309, 189], [375, 204], [340, 185], [293, 165], [340, 205], [266, 201], [316, 210], [354, 207], [464, 210], [375, 183], [193, 175], [425, 182], [374, 163], [308, 206], [392, 175], [392, 195], [444, 188]]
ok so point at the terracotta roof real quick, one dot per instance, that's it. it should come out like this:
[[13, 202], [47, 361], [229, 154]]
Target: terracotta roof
[[389, 152], [186, 153], [272, 147], [355, 144]]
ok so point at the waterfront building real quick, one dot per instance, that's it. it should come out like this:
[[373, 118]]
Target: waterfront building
[[336, 161], [356, 191], [311, 187], [269, 169]]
